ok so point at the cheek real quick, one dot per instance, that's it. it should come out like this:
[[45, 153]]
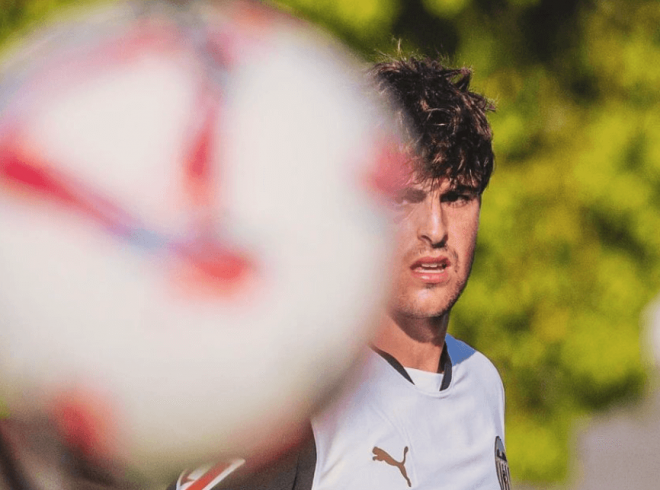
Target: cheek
[[465, 233], [470, 234], [404, 236]]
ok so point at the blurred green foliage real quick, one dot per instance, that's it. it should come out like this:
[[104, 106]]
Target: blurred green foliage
[[569, 248], [16, 15]]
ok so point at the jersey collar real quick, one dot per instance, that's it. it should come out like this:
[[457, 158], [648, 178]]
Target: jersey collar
[[444, 366]]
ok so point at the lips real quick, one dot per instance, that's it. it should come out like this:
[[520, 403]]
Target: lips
[[431, 270]]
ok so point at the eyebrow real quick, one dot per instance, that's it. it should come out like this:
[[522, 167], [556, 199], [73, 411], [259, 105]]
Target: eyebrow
[[464, 188]]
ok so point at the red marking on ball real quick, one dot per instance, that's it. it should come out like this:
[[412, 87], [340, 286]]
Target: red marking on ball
[[37, 178], [85, 422], [390, 171], [199, 168]]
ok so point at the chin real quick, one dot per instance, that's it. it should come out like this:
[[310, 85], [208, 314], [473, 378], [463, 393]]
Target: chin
[[420, 311], [426, 306], [428, 313]]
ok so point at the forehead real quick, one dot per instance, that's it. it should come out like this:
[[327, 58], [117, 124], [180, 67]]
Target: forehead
[[416, 170], [421, 172]]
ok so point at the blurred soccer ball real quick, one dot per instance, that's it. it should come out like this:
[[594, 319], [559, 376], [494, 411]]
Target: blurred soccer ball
[[191, 254]]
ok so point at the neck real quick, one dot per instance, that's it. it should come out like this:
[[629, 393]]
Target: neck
[[414, 342]]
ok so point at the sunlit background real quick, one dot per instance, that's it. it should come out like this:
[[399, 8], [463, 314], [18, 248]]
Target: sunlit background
[[569, 250]]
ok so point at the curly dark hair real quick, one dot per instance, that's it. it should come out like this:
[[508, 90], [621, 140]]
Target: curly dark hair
[[449, 134]]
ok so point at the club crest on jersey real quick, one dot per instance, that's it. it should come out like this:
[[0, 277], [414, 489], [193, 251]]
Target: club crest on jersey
[[502, 465]]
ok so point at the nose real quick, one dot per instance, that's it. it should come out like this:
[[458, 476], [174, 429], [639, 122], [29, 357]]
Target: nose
[[432, 224]]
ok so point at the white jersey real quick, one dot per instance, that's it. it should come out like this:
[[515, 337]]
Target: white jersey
[[390, 434]]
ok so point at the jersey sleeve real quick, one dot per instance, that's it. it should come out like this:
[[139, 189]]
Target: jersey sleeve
[[294, 471]]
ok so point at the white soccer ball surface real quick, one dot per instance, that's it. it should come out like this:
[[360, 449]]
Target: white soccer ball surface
[[191, 253]]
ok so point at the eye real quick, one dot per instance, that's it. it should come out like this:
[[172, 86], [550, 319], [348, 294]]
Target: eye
[[458, 197], [409, 196]]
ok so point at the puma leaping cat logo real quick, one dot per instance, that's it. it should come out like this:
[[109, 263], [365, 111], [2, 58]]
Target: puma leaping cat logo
[[381, 455]]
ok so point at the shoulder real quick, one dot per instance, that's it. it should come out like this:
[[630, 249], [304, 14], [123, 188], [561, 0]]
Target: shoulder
[[470, 364], [463, 354]]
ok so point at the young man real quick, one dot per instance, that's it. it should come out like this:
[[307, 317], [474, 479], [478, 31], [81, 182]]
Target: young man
[[430, 411]]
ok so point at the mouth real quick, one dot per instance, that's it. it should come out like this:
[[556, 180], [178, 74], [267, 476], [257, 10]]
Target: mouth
[[431, 270]]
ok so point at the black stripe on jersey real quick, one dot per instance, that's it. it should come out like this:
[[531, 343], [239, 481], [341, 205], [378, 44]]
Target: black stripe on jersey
[[445, 364], [394, 363]]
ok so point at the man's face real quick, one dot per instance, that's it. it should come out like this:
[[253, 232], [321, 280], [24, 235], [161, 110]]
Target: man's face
[[437, 226]]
